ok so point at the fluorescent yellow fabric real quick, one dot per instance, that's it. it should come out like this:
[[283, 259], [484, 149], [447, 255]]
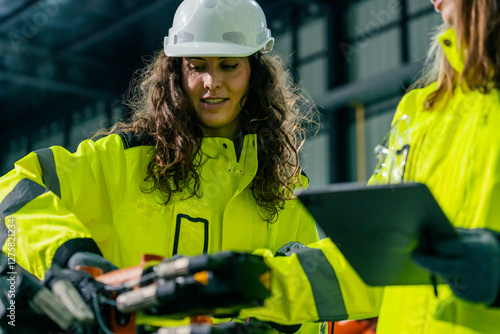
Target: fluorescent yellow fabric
[[101, 198], [455, 151], [293, 299]]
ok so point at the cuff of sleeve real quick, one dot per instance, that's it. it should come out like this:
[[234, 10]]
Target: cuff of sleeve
[[70, 247], [496, 303]]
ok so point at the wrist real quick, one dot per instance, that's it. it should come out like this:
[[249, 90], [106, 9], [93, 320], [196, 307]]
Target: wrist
[[73, 246]]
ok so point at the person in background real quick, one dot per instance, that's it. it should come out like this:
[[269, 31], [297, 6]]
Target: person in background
[[208, 161], [449, 126]]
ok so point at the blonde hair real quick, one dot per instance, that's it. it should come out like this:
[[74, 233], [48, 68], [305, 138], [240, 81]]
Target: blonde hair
[[477, 26]]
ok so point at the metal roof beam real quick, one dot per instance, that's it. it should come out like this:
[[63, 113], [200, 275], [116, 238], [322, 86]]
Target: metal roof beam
[[118, 26], [6, 48], [56, 86], [369, 91], [73, 75], [20, 14]]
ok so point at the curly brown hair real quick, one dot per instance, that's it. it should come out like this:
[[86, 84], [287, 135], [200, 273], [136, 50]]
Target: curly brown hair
[[275, 109], [477, 25]]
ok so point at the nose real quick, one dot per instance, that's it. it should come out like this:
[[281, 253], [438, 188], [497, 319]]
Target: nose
[[212, 80]]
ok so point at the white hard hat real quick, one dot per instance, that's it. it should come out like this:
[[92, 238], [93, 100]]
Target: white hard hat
[[218, 28]]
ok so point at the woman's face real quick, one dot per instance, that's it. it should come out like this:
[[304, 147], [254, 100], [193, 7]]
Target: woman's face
[[217, 89], [447, 9]]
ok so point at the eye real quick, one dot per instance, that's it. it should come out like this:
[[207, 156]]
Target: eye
[[194, 67], [229, 66]]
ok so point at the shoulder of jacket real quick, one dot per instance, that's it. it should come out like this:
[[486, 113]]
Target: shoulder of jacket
[[131, 140], [413, 101], [419, 95], [304, 179]]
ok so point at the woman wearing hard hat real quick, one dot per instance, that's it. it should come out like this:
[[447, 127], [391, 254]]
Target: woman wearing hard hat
[[454, 148], [208, 162]]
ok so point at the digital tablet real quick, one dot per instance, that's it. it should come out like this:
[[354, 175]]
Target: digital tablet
[[377, 227]]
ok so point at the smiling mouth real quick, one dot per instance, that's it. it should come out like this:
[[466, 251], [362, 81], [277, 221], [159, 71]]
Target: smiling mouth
[[213, 101]]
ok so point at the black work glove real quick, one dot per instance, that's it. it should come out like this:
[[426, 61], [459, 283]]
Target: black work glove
[[469, 264], [93, 294], [289, 248], [88, 259], [83, 282]]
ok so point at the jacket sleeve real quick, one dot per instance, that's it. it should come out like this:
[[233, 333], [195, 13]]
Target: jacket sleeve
[[315, 284], [307, 232], [393, 150], [51, 197]]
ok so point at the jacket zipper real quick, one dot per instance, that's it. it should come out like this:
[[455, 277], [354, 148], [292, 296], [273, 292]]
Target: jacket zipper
[[268, 236], [411, 166]]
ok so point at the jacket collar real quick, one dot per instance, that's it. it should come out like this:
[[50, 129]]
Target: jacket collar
[[222, 152], [448, 41]]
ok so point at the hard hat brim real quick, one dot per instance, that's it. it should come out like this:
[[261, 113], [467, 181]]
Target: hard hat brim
[[198, 49]]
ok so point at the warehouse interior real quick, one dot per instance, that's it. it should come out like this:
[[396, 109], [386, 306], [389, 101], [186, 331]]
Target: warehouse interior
[[65, 65]]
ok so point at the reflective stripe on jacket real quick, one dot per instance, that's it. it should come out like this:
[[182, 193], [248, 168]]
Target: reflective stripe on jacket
[[455, 151], [305, 287]]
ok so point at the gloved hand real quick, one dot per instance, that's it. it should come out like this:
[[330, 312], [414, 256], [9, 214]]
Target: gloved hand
[[86, 285], [289, 248], [88, 259], [81, 295], [469, 264]]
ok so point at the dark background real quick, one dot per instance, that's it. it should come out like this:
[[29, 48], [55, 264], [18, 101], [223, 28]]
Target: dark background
[[62, 56]]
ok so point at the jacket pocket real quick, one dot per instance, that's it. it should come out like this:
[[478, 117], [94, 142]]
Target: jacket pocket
[[191, 235]]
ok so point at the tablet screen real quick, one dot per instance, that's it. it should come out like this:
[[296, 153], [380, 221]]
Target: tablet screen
[[377, 227]]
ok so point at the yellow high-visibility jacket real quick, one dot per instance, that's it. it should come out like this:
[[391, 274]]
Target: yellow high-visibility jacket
[[455, 151], [91, 200]]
